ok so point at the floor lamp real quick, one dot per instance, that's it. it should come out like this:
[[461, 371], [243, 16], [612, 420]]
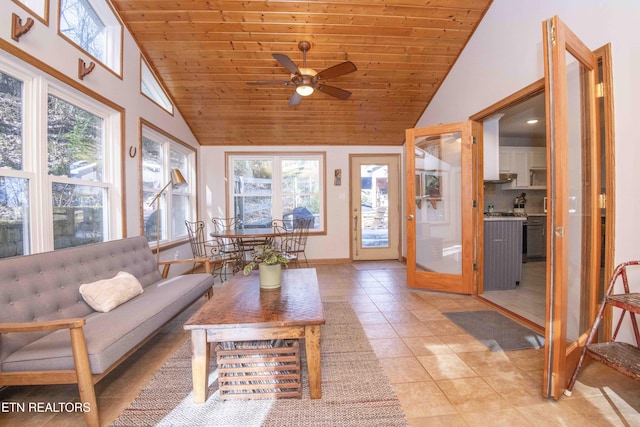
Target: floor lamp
[[176, 181]]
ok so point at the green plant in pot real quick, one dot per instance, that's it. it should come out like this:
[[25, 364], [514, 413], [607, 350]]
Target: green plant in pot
[[269, 261]]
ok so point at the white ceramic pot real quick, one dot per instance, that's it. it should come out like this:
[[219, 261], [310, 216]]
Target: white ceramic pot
[[270, 275]]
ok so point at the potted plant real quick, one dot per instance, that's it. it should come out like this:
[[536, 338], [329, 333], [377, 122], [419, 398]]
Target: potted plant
[[269, 261]]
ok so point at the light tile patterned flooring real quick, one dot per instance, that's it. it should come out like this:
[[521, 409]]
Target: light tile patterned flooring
[[528, 299], [441, 375]]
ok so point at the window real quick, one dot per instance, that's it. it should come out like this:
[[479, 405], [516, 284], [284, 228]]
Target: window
[[75, 159], [150, 87], [267, 187], [92, 25], [161, 154], [57, 177], [39, 7]]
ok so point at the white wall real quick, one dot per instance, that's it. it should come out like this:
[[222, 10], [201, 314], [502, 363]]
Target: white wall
[[333, 246], [505, 55], [43, 43]]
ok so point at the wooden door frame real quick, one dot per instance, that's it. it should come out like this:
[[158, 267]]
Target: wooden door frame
[[560, 357], [604, 56], [523, 94]]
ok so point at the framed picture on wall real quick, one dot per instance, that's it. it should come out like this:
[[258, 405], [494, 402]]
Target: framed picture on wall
[[433, 184], [419, 183]]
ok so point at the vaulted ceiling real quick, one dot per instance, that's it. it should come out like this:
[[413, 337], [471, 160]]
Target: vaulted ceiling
[[206, 53]]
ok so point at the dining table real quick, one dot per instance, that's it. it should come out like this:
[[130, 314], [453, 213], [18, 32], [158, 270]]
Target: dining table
[[247, 239], [257, 233]]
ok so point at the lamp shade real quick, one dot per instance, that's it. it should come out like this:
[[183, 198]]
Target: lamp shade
[[304, 90], [177, 180]]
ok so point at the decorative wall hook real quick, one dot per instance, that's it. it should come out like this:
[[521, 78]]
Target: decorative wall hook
[[17, 29], [83, 70]]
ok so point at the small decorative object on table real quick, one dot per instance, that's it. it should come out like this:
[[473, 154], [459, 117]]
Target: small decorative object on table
[[269, 261]]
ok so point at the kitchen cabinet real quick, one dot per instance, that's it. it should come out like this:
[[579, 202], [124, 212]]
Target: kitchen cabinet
[[523, 161], [538, 158], [502, 253], [536, 237]]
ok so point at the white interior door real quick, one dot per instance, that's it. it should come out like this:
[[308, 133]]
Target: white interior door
[[375, 207]]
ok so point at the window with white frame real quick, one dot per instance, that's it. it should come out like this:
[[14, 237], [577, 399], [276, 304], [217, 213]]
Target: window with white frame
[[277, 186], [58, 178], [164, 217], [150, 87], [95, 28]]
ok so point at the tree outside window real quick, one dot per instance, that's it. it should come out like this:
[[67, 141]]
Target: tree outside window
[[285, 187], [164, 219]]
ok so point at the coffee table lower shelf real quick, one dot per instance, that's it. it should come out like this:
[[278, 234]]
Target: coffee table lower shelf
[[264, 369]]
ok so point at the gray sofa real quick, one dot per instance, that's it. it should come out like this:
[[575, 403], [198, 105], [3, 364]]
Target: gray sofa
[[50, 335]]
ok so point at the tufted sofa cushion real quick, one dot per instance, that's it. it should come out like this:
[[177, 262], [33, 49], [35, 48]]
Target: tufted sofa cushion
[[111, 335], [45, 286]]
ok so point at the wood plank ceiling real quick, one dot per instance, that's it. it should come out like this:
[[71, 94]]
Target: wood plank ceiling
[[205, 53]]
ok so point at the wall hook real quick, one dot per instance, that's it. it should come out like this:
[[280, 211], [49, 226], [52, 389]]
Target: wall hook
[[17, 29], [83, 70]]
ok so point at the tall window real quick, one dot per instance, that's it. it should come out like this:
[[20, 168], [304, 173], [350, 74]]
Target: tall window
[[267, 187], [14, 185], [92, 25], [75, 159], [57, 177], [164, 218]]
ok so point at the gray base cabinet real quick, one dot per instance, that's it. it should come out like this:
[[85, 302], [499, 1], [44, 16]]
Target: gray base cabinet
[[502, 254]]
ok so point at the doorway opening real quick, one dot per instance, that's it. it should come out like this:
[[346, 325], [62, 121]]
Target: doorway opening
[[528, 299]]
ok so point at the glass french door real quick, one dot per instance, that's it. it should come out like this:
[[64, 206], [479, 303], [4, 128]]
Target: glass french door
[[573, 214], [440, 204], [375, 205]]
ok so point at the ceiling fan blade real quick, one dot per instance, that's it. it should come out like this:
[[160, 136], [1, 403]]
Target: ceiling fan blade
[[334, 91], [337, 70], [286, 62], [269, 82], [295, 99]]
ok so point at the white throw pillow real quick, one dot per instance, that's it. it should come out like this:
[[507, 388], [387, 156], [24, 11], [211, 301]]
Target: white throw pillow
[[105, 295]]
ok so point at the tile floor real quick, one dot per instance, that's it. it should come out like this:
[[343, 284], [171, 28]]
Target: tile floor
[[441, 375], [528, 299]]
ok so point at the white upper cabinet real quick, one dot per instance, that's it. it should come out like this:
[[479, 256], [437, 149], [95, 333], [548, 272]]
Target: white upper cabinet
[[527, 163]]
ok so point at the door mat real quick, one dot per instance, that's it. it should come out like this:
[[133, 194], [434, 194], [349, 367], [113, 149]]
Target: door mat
[[496, 331]]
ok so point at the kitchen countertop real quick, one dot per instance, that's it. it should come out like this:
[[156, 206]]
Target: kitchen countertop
[[505, 218]]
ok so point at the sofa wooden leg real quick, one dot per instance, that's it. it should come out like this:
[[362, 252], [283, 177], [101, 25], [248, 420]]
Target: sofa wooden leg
[[85, 380]]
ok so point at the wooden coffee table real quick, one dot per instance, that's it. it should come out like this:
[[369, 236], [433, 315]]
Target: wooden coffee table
[[241, 311]]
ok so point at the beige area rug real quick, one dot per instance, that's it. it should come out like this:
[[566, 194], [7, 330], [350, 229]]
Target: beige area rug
[[355, 391]]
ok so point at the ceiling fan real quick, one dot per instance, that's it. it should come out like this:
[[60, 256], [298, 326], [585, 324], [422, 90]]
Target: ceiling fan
[[307, 80]]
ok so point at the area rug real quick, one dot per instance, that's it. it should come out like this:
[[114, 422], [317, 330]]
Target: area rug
[[496, 331], [355, 391]]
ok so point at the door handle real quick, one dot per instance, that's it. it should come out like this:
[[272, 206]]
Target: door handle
[[410, 217]]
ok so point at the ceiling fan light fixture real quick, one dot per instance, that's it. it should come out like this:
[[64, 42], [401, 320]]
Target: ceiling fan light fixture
[[304, 90]]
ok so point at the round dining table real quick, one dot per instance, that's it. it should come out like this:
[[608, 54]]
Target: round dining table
[[247, 233], [245, 240]]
